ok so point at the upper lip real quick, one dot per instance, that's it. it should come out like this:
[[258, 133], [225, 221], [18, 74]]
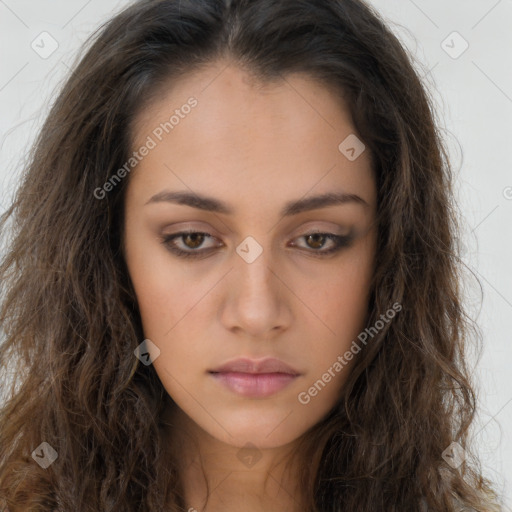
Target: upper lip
[[245, 365]]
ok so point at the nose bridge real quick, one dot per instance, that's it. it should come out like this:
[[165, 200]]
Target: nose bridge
[[254, 270], [255, 304]]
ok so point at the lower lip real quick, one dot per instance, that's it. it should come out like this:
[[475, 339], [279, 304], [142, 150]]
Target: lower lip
[[254, 385]]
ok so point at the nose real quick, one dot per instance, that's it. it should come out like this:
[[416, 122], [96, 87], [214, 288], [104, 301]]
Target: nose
[[256, 299]]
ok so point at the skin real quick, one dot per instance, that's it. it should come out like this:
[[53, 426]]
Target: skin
[[255, 147]]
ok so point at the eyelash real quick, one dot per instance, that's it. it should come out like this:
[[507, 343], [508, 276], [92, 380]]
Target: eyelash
[[340, 242]]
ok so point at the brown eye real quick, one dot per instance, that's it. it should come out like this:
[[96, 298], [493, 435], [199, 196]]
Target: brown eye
[[316, 240], [187, 243], [193, 240]]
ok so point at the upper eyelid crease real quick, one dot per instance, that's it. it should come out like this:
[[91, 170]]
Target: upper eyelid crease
[[291, 208]]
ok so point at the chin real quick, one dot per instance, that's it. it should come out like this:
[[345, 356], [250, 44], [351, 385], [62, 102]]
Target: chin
[[264, 432]]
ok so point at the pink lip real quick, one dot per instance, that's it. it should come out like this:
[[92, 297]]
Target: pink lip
[[267, 365], [255, 385], [255, 379]]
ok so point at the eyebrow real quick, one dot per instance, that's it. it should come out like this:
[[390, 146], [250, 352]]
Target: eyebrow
[[211, 204]]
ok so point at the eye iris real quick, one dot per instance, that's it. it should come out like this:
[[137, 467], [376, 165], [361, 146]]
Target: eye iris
[[197, 239], [318, 240]]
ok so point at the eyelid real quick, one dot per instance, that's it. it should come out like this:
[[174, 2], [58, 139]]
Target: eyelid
[[340, 242], [183, 232]]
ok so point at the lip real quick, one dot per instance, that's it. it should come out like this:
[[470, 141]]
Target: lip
[[253, 366], [255, 378]]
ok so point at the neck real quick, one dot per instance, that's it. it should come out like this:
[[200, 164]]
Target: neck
[[220, 477]]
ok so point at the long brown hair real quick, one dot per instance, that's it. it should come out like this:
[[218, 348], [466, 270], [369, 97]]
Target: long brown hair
[[69, 314]]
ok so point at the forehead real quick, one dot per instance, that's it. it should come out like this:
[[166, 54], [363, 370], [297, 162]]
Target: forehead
[[248, 138]]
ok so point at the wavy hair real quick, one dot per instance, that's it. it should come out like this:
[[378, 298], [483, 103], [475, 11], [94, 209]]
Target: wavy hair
[[69, 314]]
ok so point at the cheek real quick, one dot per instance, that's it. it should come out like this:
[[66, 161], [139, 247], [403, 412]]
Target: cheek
[[341, 306], [165, 293], [340, 297], [171, 304], [346, 300], [156, 299], [167, 311], [168, 308]]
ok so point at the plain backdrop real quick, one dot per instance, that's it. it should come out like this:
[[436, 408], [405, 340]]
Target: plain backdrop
[[461, 48]]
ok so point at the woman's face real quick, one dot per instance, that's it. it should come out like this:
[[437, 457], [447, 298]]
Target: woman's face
[[250, 283]]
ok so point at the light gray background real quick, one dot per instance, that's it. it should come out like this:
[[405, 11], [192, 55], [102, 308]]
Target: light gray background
[[474, 97]]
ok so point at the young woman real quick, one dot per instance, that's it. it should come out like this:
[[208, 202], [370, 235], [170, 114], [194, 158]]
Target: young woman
[[232, 281]]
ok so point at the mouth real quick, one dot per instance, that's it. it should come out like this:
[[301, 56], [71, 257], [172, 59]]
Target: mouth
[[255, 378]]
